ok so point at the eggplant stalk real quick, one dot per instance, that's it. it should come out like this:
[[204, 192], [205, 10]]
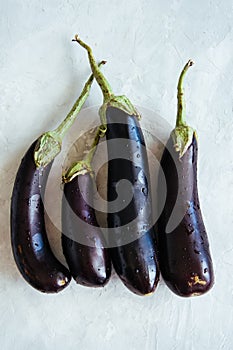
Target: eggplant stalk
[[109, 99], [49, 144], [182, 134], [83, 167]]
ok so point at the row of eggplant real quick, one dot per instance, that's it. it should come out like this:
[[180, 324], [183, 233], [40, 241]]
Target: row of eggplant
[[138, 248]]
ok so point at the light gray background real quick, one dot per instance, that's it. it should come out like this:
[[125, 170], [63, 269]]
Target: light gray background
[[146, 43]]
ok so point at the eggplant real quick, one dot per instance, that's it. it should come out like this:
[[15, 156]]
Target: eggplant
[[183, 247], [31, 250], [83, 243], [131, 236]]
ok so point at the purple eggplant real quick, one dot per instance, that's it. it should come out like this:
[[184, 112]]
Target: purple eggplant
[[32, 253], [184, 254], [133, 253], [31, 249], [131, 234], [83, 243]]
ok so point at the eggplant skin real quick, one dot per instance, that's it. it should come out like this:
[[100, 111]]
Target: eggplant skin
[[136, 264], [184, 254], [32, 253], [131, 234], [83, 243]]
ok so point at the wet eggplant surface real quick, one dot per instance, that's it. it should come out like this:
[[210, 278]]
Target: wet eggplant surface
[[32, 253], [184, 254], [131, 234], [83, 243]]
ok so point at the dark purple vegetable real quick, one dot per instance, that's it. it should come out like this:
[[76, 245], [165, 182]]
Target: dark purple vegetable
[[131, 234], [83, 243], [184, 254], [31, 249], [33, 255], [134, 254]]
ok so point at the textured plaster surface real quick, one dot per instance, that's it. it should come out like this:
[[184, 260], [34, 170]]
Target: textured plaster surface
[[146, 43]]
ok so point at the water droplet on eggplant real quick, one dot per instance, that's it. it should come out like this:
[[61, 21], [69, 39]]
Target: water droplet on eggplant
[[145, 191], [190, 230]]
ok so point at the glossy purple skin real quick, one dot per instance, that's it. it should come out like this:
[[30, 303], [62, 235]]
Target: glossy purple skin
[[184, 254], [83, 243], [32, 253], [134, 251]]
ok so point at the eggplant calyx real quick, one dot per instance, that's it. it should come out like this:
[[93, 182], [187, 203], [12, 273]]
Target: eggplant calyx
[[119, 102], [79, 168], [182, 138], [47, 148], [83, 167]]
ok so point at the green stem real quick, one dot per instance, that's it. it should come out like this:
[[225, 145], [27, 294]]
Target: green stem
[[181, 116], [49, 144], [68, 121], [83, 167], [182, 135], [110, 100], [100, 78], [100, 133]]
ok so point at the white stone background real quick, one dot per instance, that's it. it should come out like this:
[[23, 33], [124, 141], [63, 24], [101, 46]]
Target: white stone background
[[146, 43]]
